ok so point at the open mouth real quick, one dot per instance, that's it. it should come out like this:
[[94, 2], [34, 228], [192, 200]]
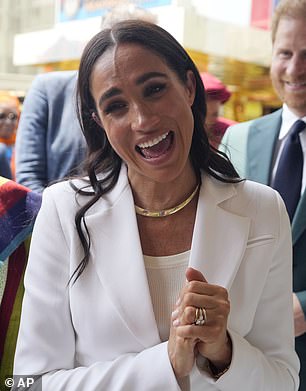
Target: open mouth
[[156, 147], [296, 85]]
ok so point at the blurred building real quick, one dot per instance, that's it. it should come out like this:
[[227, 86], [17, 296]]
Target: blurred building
[[230, 39]]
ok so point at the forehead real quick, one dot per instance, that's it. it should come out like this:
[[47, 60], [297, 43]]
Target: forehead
[[7, 106], [291, 32], [124, 63]]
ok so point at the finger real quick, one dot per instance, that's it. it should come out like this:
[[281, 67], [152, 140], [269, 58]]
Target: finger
[[215, 310], [202, 288], [188, 316], [198, 300], [194, 275], [208, 334]]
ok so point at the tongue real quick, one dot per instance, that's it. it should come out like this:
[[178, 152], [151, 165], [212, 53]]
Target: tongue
[[157, 149]]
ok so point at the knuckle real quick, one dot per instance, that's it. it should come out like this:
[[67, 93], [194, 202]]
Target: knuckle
[[190, 314], [223, 307], [188, 297], [217, 330], [223, 292], [191, 286]]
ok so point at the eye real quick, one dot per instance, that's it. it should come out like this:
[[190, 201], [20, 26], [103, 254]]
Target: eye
[[11, 116], [115, 107], [154, 89], [284, 54]]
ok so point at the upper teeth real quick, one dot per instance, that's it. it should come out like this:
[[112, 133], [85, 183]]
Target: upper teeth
[[155, 141], [296, 84]]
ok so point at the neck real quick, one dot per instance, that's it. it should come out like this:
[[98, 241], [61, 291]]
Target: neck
[[155, 196], [169, 211]]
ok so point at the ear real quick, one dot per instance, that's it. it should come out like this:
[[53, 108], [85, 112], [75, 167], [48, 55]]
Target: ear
[[191, 86], [96, 118]]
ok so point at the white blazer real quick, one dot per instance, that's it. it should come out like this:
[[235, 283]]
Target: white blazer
[[101, 334]]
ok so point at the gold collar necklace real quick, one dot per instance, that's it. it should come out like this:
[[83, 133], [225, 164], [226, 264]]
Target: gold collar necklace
[[166, 212]]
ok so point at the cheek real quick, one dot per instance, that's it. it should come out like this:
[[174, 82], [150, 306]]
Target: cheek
[[117, 136], [189, 129], [276, 69]]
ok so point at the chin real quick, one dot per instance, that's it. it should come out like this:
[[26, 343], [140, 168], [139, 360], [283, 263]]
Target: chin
[[298, 106]]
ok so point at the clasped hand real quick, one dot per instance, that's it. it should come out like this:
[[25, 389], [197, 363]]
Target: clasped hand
[[211, 340]]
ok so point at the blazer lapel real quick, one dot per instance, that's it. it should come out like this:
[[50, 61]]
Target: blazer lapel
[[220, 237], [299, 219], [263, 135], [120, 265]]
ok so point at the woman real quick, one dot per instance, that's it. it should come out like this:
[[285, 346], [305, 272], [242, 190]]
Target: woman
[[167, 236]]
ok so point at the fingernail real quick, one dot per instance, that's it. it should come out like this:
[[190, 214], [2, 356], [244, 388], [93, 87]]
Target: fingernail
[[176, 323], [178, 301], [174, 314]]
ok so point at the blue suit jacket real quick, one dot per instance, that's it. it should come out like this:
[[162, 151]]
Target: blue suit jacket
[[5, 169], [250, 146], [49, 144]]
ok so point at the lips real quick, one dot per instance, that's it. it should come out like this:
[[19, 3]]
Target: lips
[[157, 146], [295, 85]]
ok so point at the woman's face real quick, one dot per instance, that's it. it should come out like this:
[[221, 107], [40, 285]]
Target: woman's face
[[8, 120], [146, 112]]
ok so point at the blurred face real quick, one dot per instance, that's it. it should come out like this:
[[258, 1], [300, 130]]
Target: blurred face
[[288, 68], [145, 111], [212, 113], [8, 120]]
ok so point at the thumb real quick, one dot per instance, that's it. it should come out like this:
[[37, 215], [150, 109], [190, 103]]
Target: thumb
[[194, 275]]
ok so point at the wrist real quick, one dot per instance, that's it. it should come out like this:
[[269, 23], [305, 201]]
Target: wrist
[[220, 363], [217, 372]]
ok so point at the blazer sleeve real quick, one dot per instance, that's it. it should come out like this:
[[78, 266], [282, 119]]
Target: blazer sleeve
[[31, 155], [46, 344]]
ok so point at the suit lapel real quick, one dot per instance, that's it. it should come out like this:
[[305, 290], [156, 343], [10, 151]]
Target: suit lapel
[[120, 265], [299, 219], [262, 137], [220, 237]]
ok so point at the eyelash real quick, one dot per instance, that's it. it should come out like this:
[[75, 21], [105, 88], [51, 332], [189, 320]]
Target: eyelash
[[114, 107], [151, 90], [284, 54], [154, 89]]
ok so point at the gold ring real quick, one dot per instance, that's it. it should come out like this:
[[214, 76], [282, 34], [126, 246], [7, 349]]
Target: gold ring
[[200, 316]]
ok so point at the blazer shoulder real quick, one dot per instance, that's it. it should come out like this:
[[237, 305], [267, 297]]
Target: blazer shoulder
[[273, 118], [72, 194], [258, 198], [243, 126], [52, 80]]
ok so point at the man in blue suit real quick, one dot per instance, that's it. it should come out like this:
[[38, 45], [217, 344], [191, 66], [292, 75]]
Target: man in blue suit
[[255, 147], [49, 143]]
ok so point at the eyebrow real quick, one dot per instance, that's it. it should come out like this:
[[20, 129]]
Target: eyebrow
[[149, 75], [142, 79], [109, 94]]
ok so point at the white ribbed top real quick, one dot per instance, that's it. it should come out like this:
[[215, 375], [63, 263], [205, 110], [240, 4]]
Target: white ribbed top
[[166, 277]]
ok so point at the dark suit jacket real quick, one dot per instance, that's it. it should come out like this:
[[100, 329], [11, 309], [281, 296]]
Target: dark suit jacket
[[250, 145], [49, 142]]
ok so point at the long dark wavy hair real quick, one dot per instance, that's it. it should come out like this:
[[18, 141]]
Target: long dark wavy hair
[[101, 158]]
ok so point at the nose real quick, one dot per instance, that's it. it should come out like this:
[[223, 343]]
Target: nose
[[296, 66], [143, 117]]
